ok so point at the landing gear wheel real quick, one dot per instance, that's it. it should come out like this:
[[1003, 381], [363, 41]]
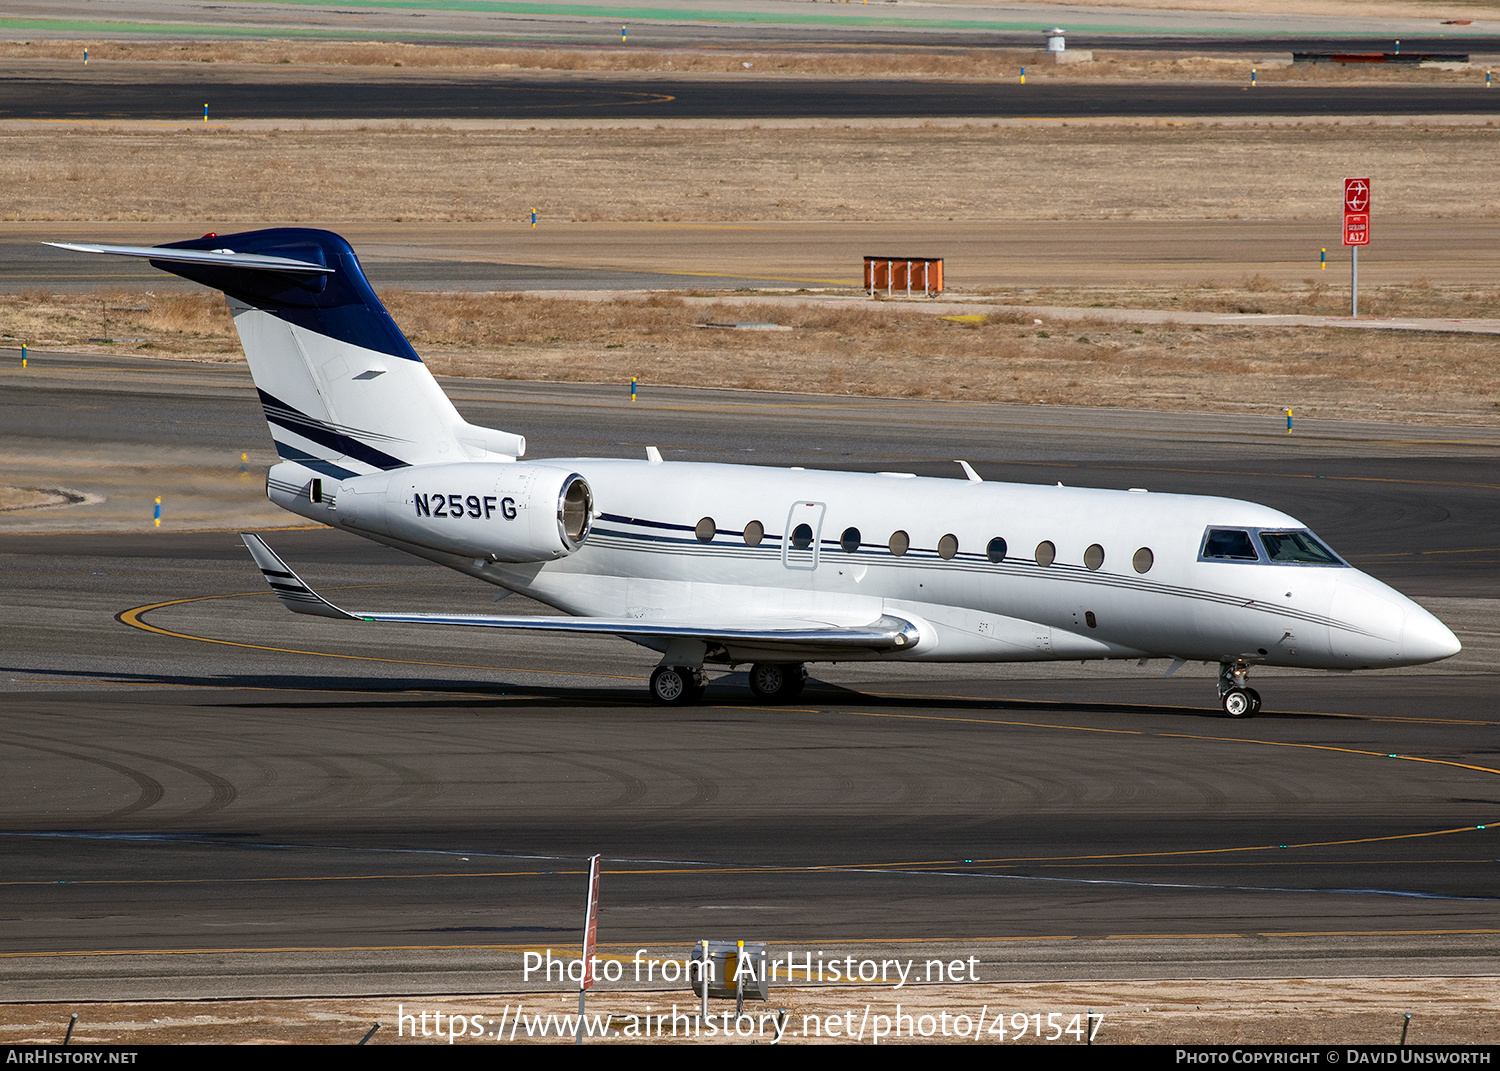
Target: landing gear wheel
[[676, 685], [777, 682], [1241, 702]]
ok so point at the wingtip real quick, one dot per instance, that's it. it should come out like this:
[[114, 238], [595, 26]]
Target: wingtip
[[290, 588]]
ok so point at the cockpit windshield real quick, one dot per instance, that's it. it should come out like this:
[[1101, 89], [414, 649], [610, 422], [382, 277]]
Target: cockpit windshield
[[1298, 548], [1229, 544], [1265, 546]]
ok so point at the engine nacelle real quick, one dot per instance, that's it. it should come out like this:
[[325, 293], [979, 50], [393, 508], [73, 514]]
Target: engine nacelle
[[515, 512]]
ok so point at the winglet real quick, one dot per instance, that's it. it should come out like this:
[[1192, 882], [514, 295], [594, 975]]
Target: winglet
[[969, 472], [288, 586]]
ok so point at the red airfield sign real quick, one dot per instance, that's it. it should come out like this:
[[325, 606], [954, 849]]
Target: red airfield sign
[[1356, 211]]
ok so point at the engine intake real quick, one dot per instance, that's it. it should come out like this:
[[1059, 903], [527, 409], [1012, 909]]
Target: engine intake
[[517, 512]]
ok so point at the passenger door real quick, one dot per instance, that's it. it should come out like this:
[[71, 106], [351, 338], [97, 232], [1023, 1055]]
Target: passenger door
[[804, 530]]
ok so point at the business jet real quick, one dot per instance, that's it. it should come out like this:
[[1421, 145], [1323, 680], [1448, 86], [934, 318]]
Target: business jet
[[731, 565]]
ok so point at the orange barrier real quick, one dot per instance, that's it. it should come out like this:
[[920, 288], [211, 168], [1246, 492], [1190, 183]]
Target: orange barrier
[[905, 275]]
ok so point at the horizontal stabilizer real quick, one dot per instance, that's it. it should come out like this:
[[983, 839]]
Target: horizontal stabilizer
[[887, 633], [219, 258]]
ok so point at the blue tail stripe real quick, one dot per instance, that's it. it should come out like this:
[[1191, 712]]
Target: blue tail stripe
[[317, 464], [294, 420]]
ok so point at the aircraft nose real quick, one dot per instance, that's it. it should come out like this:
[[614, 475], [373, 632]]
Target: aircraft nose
[[1426, 639]]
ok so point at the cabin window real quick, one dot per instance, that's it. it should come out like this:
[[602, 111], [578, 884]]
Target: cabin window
[[802, 536], [849, 541], [947, 546], [1297, 547], [706, 530], [1090, 619], [996, 550], [754, 533], [1094, 557], [900, 543], [1229, 544], [1046, 553], [1143, 560]]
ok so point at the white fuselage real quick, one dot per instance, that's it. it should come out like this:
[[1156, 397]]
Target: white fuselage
[[734, 564], [644, 559]]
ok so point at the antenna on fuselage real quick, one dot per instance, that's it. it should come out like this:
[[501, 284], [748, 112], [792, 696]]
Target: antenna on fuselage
[[973, 476]]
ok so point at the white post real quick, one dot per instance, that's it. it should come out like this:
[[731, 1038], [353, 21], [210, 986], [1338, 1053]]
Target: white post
[[1354, 281]]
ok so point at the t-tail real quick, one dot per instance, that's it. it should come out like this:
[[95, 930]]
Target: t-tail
[[342, 389]]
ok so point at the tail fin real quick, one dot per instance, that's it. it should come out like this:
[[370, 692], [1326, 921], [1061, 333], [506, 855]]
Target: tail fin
[[343, 390]]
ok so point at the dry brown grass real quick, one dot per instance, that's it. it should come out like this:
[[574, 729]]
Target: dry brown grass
[[1270, 1011], [188, 324], [707, 172], [1321, 294], [1369, 9], [863, 350], [892, 354], [903, 61], [952, 63]]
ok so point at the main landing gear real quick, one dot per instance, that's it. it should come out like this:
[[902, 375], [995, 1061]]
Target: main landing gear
[[777, 682], [1239, 701], [677, 685], [774, 682]]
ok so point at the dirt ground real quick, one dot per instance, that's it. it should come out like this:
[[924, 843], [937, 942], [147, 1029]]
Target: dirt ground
[[734, 172], [1365, 1011], [899, 59], [877, 349], [708, 174]]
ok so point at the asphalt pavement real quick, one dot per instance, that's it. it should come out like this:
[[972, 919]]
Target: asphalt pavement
[[93, 95], [195, 772]]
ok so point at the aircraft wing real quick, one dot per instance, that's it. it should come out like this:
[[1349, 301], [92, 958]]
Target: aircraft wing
[[886, 633]]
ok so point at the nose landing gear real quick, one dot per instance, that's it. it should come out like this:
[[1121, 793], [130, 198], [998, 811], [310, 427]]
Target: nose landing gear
[[1239, 701]]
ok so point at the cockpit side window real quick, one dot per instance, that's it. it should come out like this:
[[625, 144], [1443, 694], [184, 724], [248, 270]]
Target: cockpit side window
[[1298, 548], [1228, 544]]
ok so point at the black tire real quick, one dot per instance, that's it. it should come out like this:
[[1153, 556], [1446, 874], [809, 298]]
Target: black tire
[[1240, 703], [675, 686], [777, 682], [1254, 701], [767, 679]]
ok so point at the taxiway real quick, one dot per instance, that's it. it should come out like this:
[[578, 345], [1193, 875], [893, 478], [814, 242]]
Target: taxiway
[[207, 794]]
